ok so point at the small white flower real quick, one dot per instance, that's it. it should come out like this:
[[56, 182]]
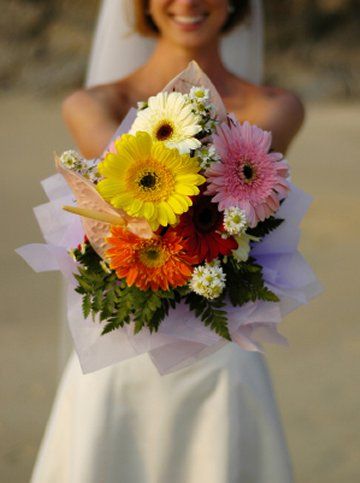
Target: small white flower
[[207, 155], [210, 125], [199, 94], [86, 167], [70, 159], [235, 222], [208, 280]]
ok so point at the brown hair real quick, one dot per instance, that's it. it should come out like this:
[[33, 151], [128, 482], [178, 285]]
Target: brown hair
[[144, 24]]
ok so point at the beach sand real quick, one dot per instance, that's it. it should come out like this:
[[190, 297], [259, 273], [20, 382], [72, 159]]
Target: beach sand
[[314, 378]]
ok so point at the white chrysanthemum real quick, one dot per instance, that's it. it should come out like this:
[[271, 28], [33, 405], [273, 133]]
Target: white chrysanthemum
[[86, 167], [235, 222], [70, 159], [208, 280], [199, 94], [207, 155], [169, 117]]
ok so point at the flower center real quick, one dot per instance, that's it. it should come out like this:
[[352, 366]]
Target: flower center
[[247, 172], [206, 215], [153, 256], [149, 180], [164, 131]]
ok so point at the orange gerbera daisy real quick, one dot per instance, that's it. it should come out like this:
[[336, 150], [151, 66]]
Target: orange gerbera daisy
[[155, 263]]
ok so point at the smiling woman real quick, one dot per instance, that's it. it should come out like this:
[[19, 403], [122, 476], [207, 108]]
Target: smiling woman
[[215, 420]]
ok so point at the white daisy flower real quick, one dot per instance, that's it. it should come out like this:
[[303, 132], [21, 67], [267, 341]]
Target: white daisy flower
[[199, 94], [86, 167], [208, 280], [207, 155], [169, 117], [71, 159], [235, 222]]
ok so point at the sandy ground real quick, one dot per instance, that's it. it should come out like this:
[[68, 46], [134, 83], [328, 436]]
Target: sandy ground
[[314, 379]]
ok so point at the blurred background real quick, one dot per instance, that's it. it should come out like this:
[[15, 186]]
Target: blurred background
[[312, 47]]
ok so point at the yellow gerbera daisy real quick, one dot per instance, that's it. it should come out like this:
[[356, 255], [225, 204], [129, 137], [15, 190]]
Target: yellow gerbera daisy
[[149, 180], [169, 118]]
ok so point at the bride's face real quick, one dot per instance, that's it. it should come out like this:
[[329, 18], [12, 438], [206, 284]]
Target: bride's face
[[189, 23]]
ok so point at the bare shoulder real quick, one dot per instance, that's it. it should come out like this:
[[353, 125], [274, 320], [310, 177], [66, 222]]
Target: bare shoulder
[[92, 115], [284, 104], [274, 109], [283, 114], [105, 99]]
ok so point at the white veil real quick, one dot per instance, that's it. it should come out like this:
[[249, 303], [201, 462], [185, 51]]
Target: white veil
[[117, 50]]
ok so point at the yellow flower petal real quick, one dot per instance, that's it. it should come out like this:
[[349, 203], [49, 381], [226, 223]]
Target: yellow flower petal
[[185, 189], [148, 210], [108, 188], [171, 217], [195, 179], [177, 206], [162, 215], [185, 201], [121, 200], [134, 208]]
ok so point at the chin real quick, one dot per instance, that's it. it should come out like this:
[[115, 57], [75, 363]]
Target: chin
[[192, 42], [194, 39]]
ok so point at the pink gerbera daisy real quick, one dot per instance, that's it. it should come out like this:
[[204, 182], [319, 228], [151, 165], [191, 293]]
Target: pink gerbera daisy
[[248, 175]]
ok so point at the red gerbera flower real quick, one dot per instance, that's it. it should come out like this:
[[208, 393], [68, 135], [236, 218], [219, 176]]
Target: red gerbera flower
[[201, 228]]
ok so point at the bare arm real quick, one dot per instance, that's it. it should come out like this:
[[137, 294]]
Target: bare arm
[[285, 117], [89, 118]]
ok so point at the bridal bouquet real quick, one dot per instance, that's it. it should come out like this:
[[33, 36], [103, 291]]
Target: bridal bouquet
[[188, 235]]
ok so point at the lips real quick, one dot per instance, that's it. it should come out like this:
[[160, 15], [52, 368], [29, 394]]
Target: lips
[[189, 23], [188, 20]]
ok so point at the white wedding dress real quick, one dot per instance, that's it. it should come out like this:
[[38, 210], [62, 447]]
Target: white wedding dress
[[213, 422]]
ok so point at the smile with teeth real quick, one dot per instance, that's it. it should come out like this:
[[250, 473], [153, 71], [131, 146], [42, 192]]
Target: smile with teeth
[[189, 20]]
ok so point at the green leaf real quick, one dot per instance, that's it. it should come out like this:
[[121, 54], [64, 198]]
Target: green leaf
[[268, 295], [97, 301], [110, 326], [245, 283], [265, 227], [210, 313], [86, 305], [139, 324]]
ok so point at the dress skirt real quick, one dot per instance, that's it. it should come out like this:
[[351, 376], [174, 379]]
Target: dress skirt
[[215, 421]]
